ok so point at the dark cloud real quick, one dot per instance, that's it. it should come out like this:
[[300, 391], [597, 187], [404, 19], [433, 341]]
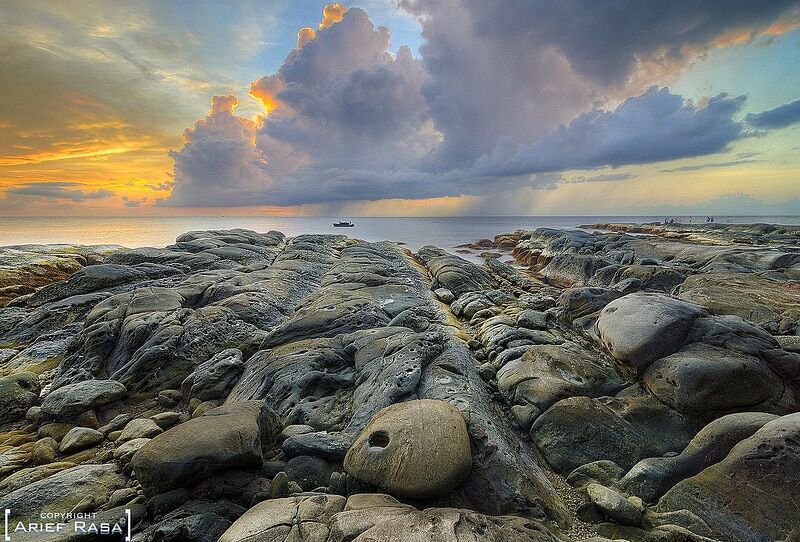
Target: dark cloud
[[654, 127], [506, 94], [780, 117], [607, 41], [58, 190]]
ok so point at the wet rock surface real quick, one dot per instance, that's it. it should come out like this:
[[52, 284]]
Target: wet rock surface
[[636, 382]]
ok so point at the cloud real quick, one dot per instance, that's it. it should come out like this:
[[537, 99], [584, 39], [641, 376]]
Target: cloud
[[505, 95], [218, 159], [332, 14], [603, 178], [656, 126], [58, 190], [709, 165], [780, 117]]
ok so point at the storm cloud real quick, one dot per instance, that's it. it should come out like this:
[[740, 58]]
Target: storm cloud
[[502, 93]]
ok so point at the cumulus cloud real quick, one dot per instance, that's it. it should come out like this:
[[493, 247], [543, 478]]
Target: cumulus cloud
[[780, 117], [504, 94], [218, 158], [58, 190]]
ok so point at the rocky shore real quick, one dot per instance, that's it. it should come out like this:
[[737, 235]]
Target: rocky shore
[[615, 382]]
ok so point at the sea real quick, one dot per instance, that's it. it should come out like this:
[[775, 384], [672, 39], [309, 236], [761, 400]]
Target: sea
[[444, 232]]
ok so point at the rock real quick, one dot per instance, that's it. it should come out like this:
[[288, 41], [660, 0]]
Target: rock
[[580, 430], [28, 476], [165, 420], [139, 428], [44, 451], [444, 295], [532, 319], [757, 297], [75, 398], [170, 397], [375, 518], [578, 302], [125, 452], [226, 437], [639, 328], [751, 493], [64, 490], [160, 504], [293, 518], [79, 438], [614, 505], [376, 521], [204, 407], [417, 449], [54, 430], [706, 381], [546, 374], [279, 486], [18, 393], [308, 472], [603, 472], [653, 476], [292, 430], [321, 444], [213, 379]]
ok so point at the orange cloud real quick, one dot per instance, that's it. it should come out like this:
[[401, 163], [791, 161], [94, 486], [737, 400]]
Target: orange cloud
[[304, 35], [266, 90], [332, 14], [777, 28]]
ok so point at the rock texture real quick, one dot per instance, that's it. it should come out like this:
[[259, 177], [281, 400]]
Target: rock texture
[[634, 382]]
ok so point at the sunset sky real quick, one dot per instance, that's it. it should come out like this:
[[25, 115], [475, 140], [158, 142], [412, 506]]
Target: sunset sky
[[411, 107]]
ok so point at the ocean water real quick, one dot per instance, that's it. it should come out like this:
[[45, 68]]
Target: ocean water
[[445, 232]]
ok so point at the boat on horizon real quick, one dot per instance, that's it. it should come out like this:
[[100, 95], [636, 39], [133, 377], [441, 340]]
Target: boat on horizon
[[343, 224]]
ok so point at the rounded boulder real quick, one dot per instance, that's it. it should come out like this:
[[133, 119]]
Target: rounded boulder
[[417, 449]]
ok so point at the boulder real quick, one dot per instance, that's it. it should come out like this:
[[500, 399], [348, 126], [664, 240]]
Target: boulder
[[650, 478], [613, 505], [18, 393], [582, 301], [292, 518], [752, 493], [139, 428], [73, 399], [308, 472], [227, 437], [641, 327], [706, 381], [64, 490], [580, 430], [417, 449], [79, 438]]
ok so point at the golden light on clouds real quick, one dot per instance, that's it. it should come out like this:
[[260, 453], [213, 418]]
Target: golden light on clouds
[[332, 14], [265, 90], [305, 35]]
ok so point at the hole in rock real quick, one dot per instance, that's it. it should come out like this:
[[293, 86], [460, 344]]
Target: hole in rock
[[378, 439]]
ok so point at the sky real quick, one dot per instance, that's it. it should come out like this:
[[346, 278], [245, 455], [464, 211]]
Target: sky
[[399, 107]]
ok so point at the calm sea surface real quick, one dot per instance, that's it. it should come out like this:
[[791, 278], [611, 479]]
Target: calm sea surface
[[445, 232]]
